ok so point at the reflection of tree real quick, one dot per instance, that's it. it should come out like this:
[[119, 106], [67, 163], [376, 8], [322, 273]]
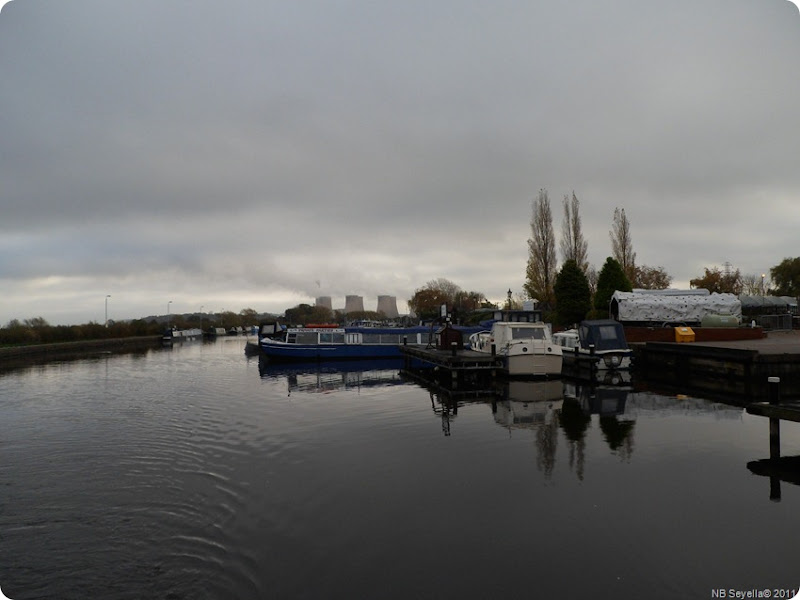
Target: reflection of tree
[[447, 407], [618, 435], [575, 423], [546, 444]]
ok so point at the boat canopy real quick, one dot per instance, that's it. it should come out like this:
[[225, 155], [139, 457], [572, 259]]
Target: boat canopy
[[604, 334]]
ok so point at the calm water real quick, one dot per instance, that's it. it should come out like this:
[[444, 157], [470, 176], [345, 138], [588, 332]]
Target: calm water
[[193, 473]]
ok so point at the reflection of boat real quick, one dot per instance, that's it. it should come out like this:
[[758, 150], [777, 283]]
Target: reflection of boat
[[527, 402], [334, 375], [599, 344], [338, 343], [604, 400], [527, 349]]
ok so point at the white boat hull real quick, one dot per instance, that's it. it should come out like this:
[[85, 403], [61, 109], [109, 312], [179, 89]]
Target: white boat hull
[[533, 364]]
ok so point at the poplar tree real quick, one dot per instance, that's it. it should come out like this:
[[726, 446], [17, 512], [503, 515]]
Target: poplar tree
[[573, 245], [541, 270], [622, 244]]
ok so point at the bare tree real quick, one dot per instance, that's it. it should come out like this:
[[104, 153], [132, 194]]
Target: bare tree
[[756, 285], [541, 270], [622, 244], [573, 245]]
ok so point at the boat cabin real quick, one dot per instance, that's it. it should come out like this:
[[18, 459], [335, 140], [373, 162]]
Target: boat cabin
[[603, 334]]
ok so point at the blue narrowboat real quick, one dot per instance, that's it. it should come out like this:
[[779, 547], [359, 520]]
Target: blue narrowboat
[[346, 343]]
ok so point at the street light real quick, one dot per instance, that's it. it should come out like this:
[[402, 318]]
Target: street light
[[762, 283], [107, 297], [168, 319]]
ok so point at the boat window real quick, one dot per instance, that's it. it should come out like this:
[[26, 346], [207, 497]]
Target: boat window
[[291, 338], [307, 337], [371, 338], [331, 338], [608, 332], [525, 333]]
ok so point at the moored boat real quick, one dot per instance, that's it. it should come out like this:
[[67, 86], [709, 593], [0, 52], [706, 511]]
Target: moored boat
[[347, 343], [599, 344], [527, 349], [174, 335]]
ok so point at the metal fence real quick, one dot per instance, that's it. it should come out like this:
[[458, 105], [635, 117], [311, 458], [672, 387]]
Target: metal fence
[[775, 322]]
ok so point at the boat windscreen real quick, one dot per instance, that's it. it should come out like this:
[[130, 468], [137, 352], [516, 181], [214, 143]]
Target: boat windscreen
[[526, 333], [604, 336]]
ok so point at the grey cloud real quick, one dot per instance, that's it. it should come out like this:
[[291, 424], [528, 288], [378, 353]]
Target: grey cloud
[[267, 146]]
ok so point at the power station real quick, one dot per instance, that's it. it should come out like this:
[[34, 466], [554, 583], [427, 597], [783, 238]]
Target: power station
[[352, 303]]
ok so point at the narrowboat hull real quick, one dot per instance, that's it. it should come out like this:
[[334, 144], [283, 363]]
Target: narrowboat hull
[[279, 351]]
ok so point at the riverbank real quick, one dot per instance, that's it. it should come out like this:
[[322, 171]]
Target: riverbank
[[12, 355]]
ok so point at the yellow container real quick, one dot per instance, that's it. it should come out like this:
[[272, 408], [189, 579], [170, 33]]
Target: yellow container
[[684, 334]]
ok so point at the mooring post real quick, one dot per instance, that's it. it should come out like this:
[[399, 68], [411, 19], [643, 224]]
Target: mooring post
[[453, 348], [774, 395], [494, 350]]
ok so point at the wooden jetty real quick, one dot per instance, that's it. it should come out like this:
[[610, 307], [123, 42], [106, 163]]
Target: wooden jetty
[[460, 364], [733, 369]]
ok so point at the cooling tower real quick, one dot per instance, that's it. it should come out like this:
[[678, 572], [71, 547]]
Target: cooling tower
[[353, 304], [388, 306], [324, 301]]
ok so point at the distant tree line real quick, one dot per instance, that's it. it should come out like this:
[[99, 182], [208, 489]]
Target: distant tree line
[[38, 331]]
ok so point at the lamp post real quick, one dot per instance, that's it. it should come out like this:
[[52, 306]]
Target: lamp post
[[762, 283], [107, 297], [168, 318]]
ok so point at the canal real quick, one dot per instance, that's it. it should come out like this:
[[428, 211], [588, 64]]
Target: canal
[[197, 472]]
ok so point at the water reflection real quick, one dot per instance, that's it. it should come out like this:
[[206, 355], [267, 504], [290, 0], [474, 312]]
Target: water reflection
[[189, 474], [544, 408], [316, 377], [783, 469]]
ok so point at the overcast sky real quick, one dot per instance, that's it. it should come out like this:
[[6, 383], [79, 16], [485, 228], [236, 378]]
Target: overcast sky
[[257, 154]]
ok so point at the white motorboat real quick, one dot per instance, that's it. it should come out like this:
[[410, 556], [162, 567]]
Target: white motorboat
[[527, 349]]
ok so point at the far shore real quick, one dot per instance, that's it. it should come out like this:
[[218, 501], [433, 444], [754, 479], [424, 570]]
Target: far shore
[[62, 349]]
